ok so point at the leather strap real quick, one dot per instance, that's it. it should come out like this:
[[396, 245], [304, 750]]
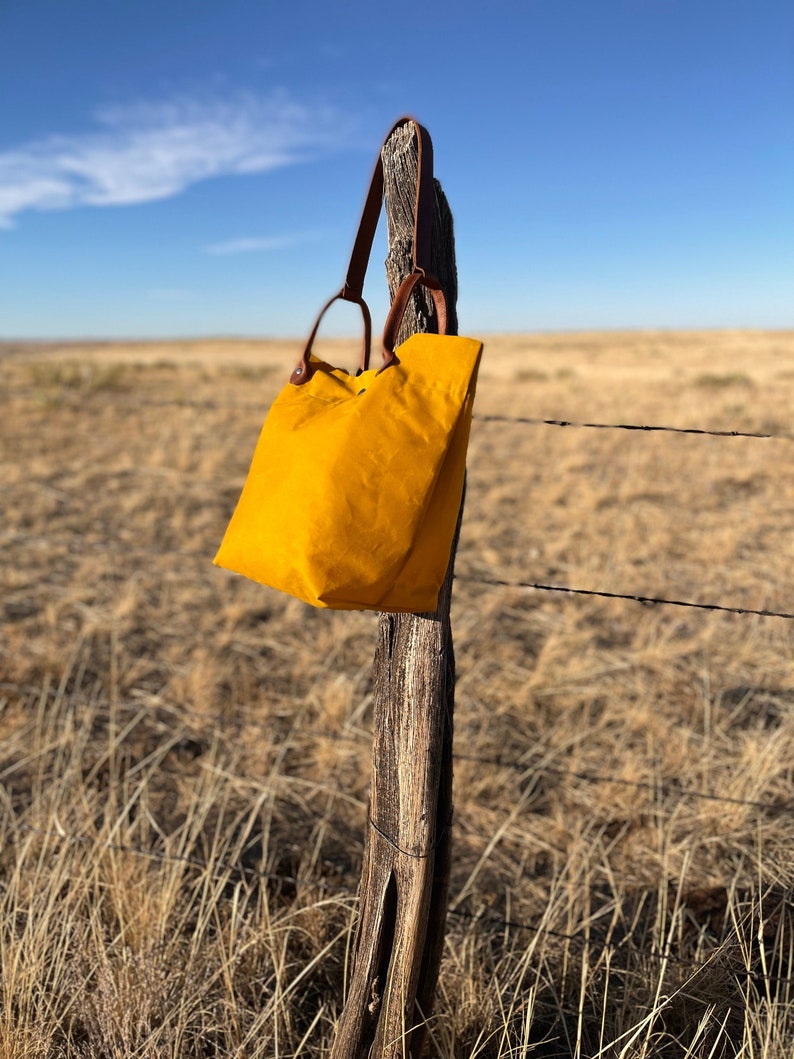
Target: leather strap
[[423, 211], [400, 304], [362, 247], [302, 370]]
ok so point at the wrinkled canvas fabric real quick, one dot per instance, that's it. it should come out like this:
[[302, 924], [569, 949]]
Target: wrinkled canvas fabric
[[353, 494]]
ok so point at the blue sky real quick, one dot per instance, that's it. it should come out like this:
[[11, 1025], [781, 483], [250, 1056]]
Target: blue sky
[[186, 168]]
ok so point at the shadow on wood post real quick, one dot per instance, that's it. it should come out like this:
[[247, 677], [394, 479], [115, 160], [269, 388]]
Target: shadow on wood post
[[405, 876]]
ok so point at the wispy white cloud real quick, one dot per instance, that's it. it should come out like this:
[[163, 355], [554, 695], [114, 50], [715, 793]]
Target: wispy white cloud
[[254, 244], [151, 151]]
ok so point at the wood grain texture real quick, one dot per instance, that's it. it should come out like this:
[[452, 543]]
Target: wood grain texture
[[405, 876]]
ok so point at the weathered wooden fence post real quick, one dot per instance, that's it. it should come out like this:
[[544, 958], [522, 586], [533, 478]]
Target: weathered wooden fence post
[[405, 876]]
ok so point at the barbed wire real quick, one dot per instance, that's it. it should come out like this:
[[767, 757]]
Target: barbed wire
[[645, 428], [221, 724], [479, 579], [661, 788], [501, 583], [480, 417], [581, 936], [221, 868]]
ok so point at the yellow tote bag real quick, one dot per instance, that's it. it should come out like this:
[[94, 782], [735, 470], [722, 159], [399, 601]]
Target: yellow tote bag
[[354, 489]]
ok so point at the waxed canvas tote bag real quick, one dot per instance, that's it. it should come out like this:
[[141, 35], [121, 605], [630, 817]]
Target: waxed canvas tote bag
[[353, 493]]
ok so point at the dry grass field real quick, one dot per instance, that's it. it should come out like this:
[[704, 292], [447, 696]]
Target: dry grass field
[[184, 755]]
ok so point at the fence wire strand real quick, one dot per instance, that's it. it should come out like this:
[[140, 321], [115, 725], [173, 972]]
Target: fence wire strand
[[221, 724], [478, 579], [648, 600], [642, 427], [480, 417], [221, 868]]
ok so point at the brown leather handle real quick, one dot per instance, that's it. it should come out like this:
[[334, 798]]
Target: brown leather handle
[[400, 304], [362, 248], [302, 370], [423, 210]]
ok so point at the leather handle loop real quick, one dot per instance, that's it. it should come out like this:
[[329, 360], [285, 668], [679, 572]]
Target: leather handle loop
[[303, 369], [362, 248], [400, 304]]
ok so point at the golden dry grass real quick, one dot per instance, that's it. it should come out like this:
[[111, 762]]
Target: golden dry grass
[[184, 755]]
